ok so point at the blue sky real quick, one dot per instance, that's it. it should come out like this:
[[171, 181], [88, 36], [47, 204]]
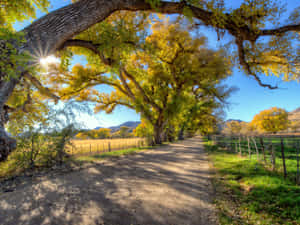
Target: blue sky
[[245, 103]]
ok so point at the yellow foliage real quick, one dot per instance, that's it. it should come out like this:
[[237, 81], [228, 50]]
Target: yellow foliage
[[271, 120], [233, 128]]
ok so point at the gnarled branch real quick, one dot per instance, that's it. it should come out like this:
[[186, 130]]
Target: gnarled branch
[[43, 90], [246, 66]]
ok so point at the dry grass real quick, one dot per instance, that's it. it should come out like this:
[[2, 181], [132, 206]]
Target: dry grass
[[90, 146]]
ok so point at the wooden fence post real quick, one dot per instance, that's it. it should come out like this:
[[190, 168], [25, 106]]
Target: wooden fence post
[[249, 149], [273, 157], [263, 148], [236, 148], [90, 149], [283, 158], [109, 149], [257, 152], [240, 146], [298, 172]]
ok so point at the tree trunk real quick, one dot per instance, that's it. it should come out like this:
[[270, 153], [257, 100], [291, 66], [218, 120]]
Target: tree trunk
[[7, 144], [48, 34], [158, 134], [181, 132]]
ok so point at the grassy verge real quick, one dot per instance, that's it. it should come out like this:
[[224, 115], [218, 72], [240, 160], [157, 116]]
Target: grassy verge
[[100, 156], [16, 164], [247, 193]]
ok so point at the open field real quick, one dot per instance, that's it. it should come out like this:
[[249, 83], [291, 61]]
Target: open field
[[91, 146], [248, 191], [270, 151], [104, 155], [80, 149]]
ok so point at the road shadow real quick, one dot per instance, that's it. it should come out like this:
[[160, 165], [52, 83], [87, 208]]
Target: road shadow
[[168, 185]]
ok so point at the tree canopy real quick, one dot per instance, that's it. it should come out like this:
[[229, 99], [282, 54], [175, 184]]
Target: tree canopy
[[171, 78], [261, 49], [271, 120]]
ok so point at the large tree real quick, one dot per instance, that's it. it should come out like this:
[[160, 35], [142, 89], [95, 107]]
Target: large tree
[[271, 120], [169, 72], [247, 24]]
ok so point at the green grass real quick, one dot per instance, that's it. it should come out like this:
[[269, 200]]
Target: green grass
[[101, 156], [248, 193], [289, 151], [10, 167]]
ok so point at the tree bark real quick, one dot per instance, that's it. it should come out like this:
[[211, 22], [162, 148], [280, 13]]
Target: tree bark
[[158, 130], [181, 133], [157, 135], [46, 35]]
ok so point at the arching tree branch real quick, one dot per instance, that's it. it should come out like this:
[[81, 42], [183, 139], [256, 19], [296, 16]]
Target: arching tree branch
[[43, 90], [94, 48], [280, 30], [246, 66]]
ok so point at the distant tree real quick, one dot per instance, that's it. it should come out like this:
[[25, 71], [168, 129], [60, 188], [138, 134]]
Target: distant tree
[[233, 128], [247, 129], [247, 24], [143, 130], [271, 120], [124, 132], [103, 133], [116, 134], [81, 135], [169, 71]]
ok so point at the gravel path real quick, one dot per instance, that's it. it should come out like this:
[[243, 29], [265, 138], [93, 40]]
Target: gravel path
[[169, 185]]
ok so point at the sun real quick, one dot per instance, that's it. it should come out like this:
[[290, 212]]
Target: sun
[[51, 59]]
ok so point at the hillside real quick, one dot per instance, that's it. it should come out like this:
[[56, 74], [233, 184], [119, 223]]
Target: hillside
[[295, 115], [229, 120], [131, 124]]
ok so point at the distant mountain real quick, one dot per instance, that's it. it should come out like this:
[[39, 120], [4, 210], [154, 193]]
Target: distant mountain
[[131, 124], [229, 120], [296, 110]]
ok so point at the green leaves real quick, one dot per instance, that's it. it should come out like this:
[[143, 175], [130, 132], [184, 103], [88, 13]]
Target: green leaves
[[153, 3], [20, 10], [11, 60], [161, 75]]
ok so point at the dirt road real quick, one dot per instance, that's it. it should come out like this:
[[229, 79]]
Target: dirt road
[[169, 185]]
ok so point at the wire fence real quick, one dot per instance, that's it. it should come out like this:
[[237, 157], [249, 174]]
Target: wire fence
[[277, 153]]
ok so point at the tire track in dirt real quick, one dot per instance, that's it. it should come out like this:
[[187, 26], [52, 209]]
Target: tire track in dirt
[[169, 185]]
